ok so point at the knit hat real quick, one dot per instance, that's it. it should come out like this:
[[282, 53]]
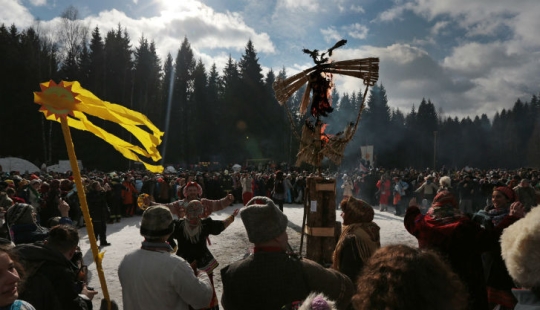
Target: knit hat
[[520, 250], [445, 198], [507, 192], [263, 220], [192, 183], [157, 221], [20, 213]]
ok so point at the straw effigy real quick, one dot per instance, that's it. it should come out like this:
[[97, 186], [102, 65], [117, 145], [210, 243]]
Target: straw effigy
[[314, 144]]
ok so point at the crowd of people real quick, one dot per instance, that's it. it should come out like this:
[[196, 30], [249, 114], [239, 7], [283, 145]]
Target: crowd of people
[[458, 217]]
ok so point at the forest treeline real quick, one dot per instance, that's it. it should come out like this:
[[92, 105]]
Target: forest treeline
[[231, 115]]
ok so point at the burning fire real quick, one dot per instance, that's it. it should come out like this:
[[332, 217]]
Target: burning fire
[[324, 137]]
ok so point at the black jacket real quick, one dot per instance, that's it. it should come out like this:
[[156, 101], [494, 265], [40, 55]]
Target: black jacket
[[50, 279]]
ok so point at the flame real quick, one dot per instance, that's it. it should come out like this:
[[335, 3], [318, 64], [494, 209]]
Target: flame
[[324, 137]]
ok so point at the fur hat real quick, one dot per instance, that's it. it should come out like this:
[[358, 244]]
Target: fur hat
[[445, 181], [520, 249], [317, 301], [361, 211], [263, 220], [20, 213], [157, 221]]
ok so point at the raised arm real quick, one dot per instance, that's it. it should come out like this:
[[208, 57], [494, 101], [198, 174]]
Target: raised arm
[[211, 206]]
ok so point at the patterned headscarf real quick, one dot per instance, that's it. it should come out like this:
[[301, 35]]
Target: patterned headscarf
[[444, 207], [193, 209]]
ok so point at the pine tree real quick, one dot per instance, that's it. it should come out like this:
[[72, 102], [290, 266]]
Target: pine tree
[[198, 123], [375, 124], [96, 77], [146, 80], [181, 111]]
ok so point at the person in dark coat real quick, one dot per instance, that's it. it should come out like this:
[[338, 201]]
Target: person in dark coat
[[50, 274], [99, 211], [272, 277]]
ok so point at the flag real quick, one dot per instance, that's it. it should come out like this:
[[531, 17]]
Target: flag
[[71, 101]]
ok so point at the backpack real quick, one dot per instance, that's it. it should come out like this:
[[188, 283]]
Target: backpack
[[279, 188]]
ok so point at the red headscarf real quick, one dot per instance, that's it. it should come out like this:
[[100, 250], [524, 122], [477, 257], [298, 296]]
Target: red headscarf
[[192, 183], [444, 198]]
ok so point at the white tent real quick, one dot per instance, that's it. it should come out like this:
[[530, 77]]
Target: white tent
[[63, 166], [17, 164]]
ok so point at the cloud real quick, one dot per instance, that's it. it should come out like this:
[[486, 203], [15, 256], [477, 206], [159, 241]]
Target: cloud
[[439, 27], [208, 32], [331, 34], [357, 9], [309, 5], [38, 2], [492, 64], [357, 31], [14, 13]]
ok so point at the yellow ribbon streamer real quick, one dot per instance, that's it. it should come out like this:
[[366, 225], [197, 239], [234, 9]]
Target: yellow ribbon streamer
[[70, 101]]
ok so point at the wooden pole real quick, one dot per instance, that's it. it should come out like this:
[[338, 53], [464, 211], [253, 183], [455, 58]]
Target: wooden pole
[[84, 208], [321, 218]]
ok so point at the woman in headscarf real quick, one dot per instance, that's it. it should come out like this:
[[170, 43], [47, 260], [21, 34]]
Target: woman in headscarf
[[503, 212], [191, 234], [359, 238]]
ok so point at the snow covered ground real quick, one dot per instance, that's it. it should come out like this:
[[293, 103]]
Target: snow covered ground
[[229, 246]]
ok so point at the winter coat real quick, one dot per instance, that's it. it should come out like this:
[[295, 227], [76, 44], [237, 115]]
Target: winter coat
[[50, 283], [128, 193], [270, 280], [97, 205], [385, 191]]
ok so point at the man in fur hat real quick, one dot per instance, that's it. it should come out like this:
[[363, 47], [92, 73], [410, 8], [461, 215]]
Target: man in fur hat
[[272, 277], [152, 277]]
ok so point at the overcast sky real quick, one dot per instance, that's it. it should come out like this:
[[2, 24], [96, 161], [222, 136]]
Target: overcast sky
[[467, 56]]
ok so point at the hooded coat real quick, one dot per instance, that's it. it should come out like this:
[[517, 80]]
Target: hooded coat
[[51, 279]]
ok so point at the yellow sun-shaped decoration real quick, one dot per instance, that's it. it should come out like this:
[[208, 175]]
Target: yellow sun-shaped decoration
[[56, 99]]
